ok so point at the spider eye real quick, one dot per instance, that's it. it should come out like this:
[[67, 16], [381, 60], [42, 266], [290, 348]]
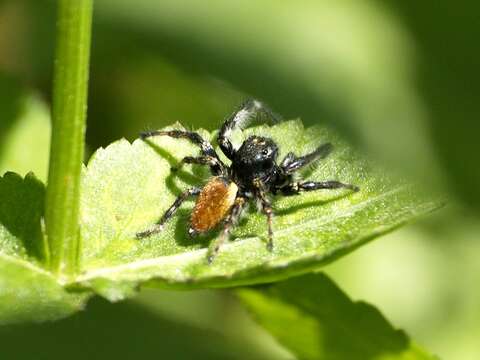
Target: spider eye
[[265, 152]]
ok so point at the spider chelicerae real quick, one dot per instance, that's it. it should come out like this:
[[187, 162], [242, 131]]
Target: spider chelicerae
[[253, 174]]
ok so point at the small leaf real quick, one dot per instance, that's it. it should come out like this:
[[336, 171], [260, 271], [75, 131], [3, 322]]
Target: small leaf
[[21, 207], [126, 188], [314, 319], [27, 291]]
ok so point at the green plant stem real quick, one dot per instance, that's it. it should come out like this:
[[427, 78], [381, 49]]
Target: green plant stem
[[74, 19]]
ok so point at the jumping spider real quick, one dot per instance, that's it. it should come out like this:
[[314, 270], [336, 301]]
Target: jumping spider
[[252, 174]]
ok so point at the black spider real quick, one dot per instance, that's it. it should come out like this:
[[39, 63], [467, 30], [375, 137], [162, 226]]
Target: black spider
[[253, 174]]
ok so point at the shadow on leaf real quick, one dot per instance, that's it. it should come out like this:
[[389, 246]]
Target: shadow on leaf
[[21, 209]]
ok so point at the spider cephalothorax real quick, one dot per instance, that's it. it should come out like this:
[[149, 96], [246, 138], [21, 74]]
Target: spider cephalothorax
[[252, 174], [255, 160]]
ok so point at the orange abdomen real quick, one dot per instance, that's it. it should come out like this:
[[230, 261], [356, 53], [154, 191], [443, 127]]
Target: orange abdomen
[[213, 204]]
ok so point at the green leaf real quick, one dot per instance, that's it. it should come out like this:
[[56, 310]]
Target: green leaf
[[27, 291], [21, 207], [126, 188], [314, 319]]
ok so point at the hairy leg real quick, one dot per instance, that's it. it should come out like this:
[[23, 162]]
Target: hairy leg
[[268, 211], [291, 163], [200, 160], [158, 227], [266, 207], [205, 147], [300, 186], [248, 111]]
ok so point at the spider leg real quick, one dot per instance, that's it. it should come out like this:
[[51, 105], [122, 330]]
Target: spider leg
[[158, 227], [229, 223], [291, 163], [287, 160], [300, 186], [205, 147], [267, 210], [200, 160], [249, 110]]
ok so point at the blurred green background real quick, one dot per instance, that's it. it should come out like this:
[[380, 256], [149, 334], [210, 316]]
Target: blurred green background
[[399, 79]]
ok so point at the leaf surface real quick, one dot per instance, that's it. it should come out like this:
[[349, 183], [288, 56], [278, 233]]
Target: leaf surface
[[314, 319], [127, 187]]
